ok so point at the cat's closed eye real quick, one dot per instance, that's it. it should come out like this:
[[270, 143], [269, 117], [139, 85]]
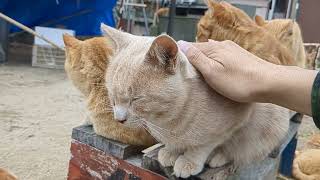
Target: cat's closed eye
[[135, 99]]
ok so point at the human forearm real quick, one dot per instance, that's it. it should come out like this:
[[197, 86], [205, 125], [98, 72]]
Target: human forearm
[[289, 87]]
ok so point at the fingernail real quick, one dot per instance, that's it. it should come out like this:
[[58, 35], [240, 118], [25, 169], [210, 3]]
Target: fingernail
[[184, 46]]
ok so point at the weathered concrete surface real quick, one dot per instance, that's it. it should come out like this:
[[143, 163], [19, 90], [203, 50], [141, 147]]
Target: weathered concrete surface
[[86, 135]]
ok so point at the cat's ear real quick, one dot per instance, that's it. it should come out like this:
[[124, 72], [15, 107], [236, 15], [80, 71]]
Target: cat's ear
[[70, 41], [221, 12], [288, 29], [212, 5], [259, 20], [163, 53], [116, 38]]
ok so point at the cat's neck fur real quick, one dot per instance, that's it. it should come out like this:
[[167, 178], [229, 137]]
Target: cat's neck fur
[[198, 94]]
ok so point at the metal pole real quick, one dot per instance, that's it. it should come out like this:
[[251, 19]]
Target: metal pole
[[12, 21], [271, 12], [172, 14], [289, 8], [145, 20]]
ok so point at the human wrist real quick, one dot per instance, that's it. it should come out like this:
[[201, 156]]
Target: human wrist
[[288, 86], [266, 82]]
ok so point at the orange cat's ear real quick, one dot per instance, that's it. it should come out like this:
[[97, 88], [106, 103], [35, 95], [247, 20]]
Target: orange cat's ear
[[163, 53], [70, 41], [259, 20], [289, 28], [213, 6]]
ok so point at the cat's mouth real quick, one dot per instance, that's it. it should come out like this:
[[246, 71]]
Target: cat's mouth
[[123, 121]]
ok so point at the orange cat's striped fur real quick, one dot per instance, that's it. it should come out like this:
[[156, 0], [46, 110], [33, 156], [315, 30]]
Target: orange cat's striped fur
[[86, 63], [223, 21], [289, 34]]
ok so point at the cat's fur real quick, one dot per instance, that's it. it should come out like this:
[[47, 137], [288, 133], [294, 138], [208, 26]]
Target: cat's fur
[[151, 81], [306, 165], [223, 21], [289, 34], [6, 175], [86, 63]]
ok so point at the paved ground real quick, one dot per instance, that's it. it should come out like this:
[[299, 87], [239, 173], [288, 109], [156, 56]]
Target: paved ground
[[38, 108]]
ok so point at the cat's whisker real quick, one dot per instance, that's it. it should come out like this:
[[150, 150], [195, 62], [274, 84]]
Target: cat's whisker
[[165, 132]]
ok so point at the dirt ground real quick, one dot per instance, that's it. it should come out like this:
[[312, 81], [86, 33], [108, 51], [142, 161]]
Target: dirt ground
[[38, 108]]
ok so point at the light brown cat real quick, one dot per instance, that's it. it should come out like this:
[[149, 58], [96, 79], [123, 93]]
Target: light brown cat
[[306, 165], [289, 34], [86, 63], [223, 21], [6, 175], [152, 84]]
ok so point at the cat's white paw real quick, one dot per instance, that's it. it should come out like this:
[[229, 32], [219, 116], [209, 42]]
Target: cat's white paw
[[166, 157], [218, 160], [184, 167]]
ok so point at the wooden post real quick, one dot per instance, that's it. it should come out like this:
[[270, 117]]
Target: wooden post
[[4, 33], [12, 21]]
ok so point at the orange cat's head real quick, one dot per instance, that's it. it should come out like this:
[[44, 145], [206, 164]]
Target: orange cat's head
[[282, 29], [288, 33], [86, 61], [221, 21]]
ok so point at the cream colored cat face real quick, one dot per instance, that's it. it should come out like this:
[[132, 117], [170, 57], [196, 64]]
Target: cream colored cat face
[[153, 85]]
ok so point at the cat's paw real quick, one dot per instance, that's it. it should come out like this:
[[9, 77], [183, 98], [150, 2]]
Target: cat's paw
[[166, 157], [184, 167], [218, 160]]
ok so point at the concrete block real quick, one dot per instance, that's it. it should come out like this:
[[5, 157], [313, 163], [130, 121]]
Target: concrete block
[[85, 134]]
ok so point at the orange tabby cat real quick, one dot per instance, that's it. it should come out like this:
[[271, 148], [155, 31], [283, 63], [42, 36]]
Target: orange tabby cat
[[223, 21], [289, 34], [86, 63], [306, 165], [5, 175]]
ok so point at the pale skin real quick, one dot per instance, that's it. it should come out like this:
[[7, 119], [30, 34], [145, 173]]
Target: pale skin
[[243, 77]]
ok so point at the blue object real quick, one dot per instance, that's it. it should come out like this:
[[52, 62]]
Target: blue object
[[287, 157], [83, 16]]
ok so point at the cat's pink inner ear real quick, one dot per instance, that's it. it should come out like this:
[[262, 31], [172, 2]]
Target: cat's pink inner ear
[[168, 45], [163, 53]]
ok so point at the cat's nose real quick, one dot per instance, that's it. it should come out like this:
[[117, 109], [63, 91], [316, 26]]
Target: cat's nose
[[120, 113]]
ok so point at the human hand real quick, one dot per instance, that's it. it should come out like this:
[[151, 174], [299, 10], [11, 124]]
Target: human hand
[[229, 69]]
